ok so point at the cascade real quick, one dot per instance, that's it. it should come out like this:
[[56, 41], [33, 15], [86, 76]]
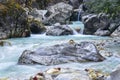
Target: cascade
[[77, 25], [79, 14]]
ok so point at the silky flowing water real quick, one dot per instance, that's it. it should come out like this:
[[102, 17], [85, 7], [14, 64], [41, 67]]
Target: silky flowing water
[[9, 55]]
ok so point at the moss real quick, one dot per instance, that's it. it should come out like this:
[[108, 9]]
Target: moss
[[2, 43], [13, 13]]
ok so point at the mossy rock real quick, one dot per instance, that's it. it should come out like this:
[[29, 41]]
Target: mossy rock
[[13, 20], [36, 27], [5, 43]]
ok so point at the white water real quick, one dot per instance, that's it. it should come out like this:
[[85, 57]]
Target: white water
[[9, 55], [81, 25]]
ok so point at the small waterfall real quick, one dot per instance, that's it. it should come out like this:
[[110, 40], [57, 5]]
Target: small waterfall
[[78, 25], [79, 14], [74, 31]]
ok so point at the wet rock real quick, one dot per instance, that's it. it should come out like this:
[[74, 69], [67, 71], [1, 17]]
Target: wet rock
[[65, 74], [3, 35], [102, 33], [115, 75], [61, 53], [72, 76], [59, 12], [37, 27], [99, 24], [58, 30], [96, 75], [94, 22], [5, 43], [41, 76], [116, 33]]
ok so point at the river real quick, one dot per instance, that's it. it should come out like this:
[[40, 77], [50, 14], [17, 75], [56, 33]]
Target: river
[[9, 55]]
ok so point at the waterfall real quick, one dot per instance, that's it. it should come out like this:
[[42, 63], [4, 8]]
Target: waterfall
[[79, 14], [78, 25], [74, 31]]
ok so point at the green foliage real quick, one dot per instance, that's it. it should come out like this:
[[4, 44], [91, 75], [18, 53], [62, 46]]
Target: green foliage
[[111, 7], [13, 17]]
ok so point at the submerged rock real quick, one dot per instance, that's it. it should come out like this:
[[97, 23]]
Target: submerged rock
[[59, 30], [62, 53]]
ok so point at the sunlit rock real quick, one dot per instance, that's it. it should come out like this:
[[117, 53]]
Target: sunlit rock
[[62, 53]]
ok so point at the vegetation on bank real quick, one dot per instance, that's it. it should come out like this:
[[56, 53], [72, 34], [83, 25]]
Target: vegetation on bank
[[111, 7], [13, 20]]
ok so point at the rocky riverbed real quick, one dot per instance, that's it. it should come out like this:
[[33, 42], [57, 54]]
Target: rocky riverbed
[[65, 40]]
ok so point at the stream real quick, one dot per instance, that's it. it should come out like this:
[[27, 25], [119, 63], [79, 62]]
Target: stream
[[9, 55]]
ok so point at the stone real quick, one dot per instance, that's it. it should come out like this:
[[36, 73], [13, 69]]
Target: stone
[[38, 14], [59, 30], [5, 43], [72, 76], [75, 3], [115, 75], [93, 22], [59, 13], [62, 53], [37, 27]]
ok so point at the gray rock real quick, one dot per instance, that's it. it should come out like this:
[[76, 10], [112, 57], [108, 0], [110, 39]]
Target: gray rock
[[37, 27], [38, 14], [5, 43], [102, 32], [61, 53], [59, 30], [72, 76], [93, 22], [75, 3], [115, 75], [59, 13]]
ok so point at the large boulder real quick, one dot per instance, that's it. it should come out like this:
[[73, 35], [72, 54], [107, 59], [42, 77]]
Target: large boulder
[[60, 12], [99, 24], [107, 31], [62, 53], [59, 30], [93, 22]]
